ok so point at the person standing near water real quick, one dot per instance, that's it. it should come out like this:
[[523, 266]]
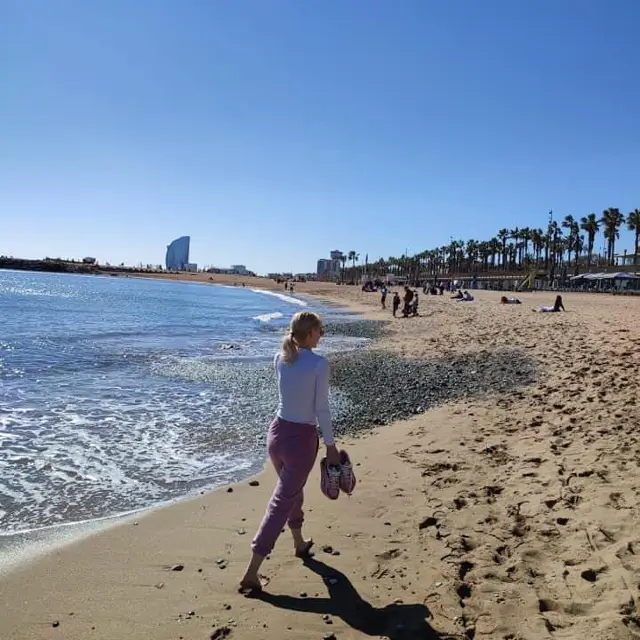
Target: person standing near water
[[396, 303], [292, 441]]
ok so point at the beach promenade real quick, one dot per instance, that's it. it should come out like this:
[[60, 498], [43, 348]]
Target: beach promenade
[[501, 516]]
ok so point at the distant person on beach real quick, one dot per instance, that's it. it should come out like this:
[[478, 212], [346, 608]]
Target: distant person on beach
[[458, 296], [292, 440], [557, 306], [396, 303], [408, 297], [509, 300], [383, 296], [286, 286], [466, 297]]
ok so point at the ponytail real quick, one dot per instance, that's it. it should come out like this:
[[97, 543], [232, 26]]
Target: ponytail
[[301, 325], [289, 350]]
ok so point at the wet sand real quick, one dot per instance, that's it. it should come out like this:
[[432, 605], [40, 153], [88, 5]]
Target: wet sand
[[512, 513]]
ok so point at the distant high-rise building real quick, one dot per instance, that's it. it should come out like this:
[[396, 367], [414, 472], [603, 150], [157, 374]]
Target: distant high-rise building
[[336, 255], [178, 254], [327, 268]]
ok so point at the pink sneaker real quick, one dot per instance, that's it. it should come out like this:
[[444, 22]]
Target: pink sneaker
[[347, 477], [329, 480]]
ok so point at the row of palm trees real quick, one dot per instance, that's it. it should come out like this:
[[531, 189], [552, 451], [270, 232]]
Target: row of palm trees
[[560, 246]]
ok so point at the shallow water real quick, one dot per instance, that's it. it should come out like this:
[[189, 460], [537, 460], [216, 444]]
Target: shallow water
[[120, 393]]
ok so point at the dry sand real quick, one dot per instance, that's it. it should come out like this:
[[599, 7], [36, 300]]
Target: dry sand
[[497, 517]]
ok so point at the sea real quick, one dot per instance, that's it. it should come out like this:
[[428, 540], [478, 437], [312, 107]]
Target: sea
[[120, 393]]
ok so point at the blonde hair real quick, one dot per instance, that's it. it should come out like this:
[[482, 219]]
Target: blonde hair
[[300, 327]]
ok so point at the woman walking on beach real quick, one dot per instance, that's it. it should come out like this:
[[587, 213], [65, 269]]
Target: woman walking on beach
[[292, 441]]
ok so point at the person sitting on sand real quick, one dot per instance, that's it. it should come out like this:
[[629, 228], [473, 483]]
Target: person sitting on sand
[[458, 295], [292, 441], [466, 297], [557, 306], [396, 303], [509, 300]]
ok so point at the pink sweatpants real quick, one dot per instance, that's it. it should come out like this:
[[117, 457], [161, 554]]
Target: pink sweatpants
[[293, 449]]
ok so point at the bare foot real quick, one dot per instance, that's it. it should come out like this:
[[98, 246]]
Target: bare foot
[[304, 550], [250, 584]]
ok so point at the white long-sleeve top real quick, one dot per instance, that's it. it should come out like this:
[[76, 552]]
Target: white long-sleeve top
[[303, 388]]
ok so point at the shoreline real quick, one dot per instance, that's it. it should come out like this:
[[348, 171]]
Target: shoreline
[[480, 516], [23, 547]]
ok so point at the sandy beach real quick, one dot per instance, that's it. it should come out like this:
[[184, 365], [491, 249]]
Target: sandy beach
[[502, 515]]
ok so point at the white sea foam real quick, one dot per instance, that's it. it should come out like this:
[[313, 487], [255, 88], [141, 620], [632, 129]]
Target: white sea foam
[[282, 296], [123, 398], [267, 317]]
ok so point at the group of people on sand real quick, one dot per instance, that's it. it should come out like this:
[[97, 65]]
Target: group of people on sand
[[557, 305], [410, 300], [463, 296]]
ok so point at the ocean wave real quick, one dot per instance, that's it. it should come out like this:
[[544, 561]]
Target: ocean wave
[[282, 297], [267, 317]]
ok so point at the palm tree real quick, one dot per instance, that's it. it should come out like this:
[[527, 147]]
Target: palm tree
[[503, 236], [525, 236], [573, 241], [494, 250], [351, 255], [538, 241], [591, 225], [612, 220], [343, 260], [633, 224], [516, 235], [554, 237]]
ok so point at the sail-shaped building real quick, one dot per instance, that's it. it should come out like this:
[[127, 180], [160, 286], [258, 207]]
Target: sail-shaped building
[[178, 254]]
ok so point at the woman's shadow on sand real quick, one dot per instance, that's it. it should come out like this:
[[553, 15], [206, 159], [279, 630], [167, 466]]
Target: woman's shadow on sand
[[395, 621]]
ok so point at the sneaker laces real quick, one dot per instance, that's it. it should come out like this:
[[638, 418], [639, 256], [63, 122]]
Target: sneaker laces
[[333, 474]]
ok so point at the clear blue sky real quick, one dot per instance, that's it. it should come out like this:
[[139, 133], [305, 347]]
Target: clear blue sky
[[272, 131]]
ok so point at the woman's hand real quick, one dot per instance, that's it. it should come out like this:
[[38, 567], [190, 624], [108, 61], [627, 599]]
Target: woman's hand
[[333, 457]]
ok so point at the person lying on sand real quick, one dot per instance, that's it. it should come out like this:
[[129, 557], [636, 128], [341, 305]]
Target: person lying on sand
[[466, 297], [557, 306], [458, 295], [509, 300], [292, 441]]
